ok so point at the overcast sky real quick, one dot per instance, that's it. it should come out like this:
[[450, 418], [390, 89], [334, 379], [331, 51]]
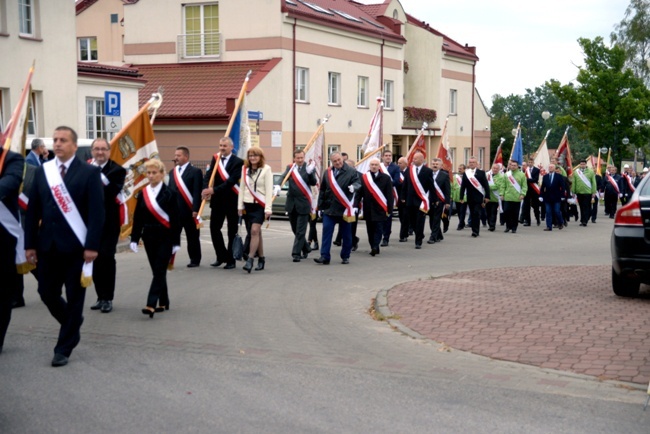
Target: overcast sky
[[520, 44]]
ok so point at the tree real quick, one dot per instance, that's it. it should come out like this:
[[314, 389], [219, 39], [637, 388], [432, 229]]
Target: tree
[[608, 102], [633, 35]]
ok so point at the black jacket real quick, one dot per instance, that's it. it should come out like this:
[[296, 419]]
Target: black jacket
[[409, 194], [295, 197], [372, 210], [115, 175], [193, 179], [143, 218], [223, 190], [327, 201], [442, 179], [473, 195]]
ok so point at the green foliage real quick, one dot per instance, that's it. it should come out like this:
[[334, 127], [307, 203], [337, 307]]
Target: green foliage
[[633, 35]]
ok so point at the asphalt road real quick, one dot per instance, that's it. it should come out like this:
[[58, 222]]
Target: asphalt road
[[293, 349]]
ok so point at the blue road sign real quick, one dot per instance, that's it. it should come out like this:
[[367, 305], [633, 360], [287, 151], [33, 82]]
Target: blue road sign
[[112, 103]]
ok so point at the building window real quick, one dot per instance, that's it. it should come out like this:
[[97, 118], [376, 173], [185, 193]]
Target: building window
[[362, 94], [3, 17], [452, 153], [32, 116], [359, 152], [330, 150], [453, 101], [95, 124], [201, 30], [466, 155], [88, 49], [334, 88], [302, 84], [389, 87], [3, 110], [481, 156], [26, 17]]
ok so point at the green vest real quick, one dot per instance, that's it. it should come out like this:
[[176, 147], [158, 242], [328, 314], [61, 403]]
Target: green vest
[[579, 187], [508, 192], [497, 187]]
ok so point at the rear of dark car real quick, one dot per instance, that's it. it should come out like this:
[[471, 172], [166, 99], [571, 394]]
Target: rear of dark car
[[630, 243]]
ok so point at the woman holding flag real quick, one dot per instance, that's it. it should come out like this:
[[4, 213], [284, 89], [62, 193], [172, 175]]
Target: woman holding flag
[[255, 200], [156, 219]]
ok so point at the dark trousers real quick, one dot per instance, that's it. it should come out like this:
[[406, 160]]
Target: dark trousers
[[461, 208], [375, 232], [475, 216], [299, 224], [104, 270], [531, 201], [417, 219], [158, 245], [192, 233], [594, 209], [217, 217], [492, 211], [10, 281], [611, 202], [329, 222], [403, 221], [584, 202], [435, 216], [56, 269], [553, 213], [313, 231], [511, 213], [388, 228]]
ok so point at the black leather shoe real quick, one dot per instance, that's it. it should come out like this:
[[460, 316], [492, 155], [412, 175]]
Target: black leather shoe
[[345, 261], [248, 266], [384, 243], [514, 231], [314, 246], [431, 241], [373, 252], [403, 240], [59, 360], [460, 228], [474, 235], [322, 260], [260, 263], [98, 305], [216, 264], [418, 246], [526, 224], [491, 229], [506, 231], [230, 266], [296, 258], [337, 243], [192, 265], [147, 311], [107, 306]]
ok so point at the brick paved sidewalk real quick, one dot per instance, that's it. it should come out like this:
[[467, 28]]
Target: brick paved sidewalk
[[564, 318]]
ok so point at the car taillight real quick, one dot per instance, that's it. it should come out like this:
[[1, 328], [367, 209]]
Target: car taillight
[[629, 215]]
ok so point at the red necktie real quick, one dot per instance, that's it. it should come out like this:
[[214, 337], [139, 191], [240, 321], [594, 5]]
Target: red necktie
[[63, 171]]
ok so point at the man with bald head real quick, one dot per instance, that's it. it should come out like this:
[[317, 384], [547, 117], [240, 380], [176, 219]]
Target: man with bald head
[[377, 195], [416, 190]]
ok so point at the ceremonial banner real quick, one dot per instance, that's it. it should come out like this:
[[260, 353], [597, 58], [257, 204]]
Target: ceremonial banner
[[498, 157], [563, 153], [373, 139], [443, 150], [241, 131], [418, 146], [542, 158], [517, 153]]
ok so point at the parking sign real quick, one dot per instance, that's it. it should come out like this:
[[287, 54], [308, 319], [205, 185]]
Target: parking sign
[[112, 103]]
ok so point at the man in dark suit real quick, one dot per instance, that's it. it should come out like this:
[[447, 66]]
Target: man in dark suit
[[298, 204], [187, 182], [599, 195], [532, 194], [403, 165], [223, 200], [11, 174], [392, 170], [440, 198], [417, 195], [104, 268], [478, 193], [38, 152], [612, 190], [336, 203], [68, 200], [377, 195], [552, 191]]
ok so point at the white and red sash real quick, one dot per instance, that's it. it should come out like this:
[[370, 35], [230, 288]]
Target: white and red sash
[[494, 190], [154, 208], [611, 180], [300, 183], [532, 184], [513, 181], [385, 170], [340, 196], [258, 197], [223, 174], [401, 177], [184, 191], [629, 182], [374, 190], [23, 201], [584, 179], [439, 192], [64, 201], [12, 225], [475, 183], [417, 185], [120, 199]]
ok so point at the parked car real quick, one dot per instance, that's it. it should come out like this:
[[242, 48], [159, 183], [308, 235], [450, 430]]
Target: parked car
[[630, 243], [281, 200]]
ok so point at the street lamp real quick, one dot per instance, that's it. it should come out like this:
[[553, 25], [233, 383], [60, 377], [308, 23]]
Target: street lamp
[[625, 142], [546, 115]]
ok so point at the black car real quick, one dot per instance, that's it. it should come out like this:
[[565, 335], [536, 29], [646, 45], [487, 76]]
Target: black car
[[630, 243]]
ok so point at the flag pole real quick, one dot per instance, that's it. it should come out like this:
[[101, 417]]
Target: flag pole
[[424, 126], [499, 150], [370, 155], [242, 93], [24, 96], [143, 109], [514, 142]]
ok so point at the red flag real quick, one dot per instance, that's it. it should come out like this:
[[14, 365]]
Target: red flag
[[564, 153], [418, 146], [498, 157], [443, 151]]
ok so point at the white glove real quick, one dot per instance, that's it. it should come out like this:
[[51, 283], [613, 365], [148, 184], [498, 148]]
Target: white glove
[[310, 168], [620, 195], [175, 249], [319, 214], [541, 199], [134, 247], [351, 188], [355, 211], [276, 190]]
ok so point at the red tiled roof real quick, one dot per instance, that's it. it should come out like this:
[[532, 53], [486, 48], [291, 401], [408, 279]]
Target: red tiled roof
[[82, 5], [199, 91], [374, 10], [99, 68], [361, 22], [449, 46]]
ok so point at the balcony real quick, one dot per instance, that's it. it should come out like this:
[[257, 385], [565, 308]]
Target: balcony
[[199, 46]]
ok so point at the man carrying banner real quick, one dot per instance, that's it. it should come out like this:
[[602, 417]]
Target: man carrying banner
[[478, 193], [377, 195], [187, 182], [299, 201], [336, 202], [495, 206], [440, 200], [11, 175], [223, 200], [584, 186], [104, 268], [513, 192], [67, 199], [532, 195], [416, 190], [392, 170]]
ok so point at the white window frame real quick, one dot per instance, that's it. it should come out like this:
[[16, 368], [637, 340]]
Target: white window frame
[[453, 101], [334, 88], [481, 157], [302, 84], [466, 155], [389, 91], [89, 50], [452, 153], [4, 97], [362, 91], [202, 34], [33, 116], [95, 117], [359, 152], [26, 21]]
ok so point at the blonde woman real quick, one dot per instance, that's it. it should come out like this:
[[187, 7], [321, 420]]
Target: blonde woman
[[255, 197]]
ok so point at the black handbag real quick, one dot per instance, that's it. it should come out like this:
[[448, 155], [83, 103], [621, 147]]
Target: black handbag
[[238, 245]]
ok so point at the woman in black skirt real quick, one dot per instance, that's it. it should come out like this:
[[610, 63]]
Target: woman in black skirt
[[255, 199], [156, 221]]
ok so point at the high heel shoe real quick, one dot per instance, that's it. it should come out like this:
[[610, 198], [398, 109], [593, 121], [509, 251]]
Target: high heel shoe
[[260, 264], [249, 265], [149, 312], [161, 309]]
